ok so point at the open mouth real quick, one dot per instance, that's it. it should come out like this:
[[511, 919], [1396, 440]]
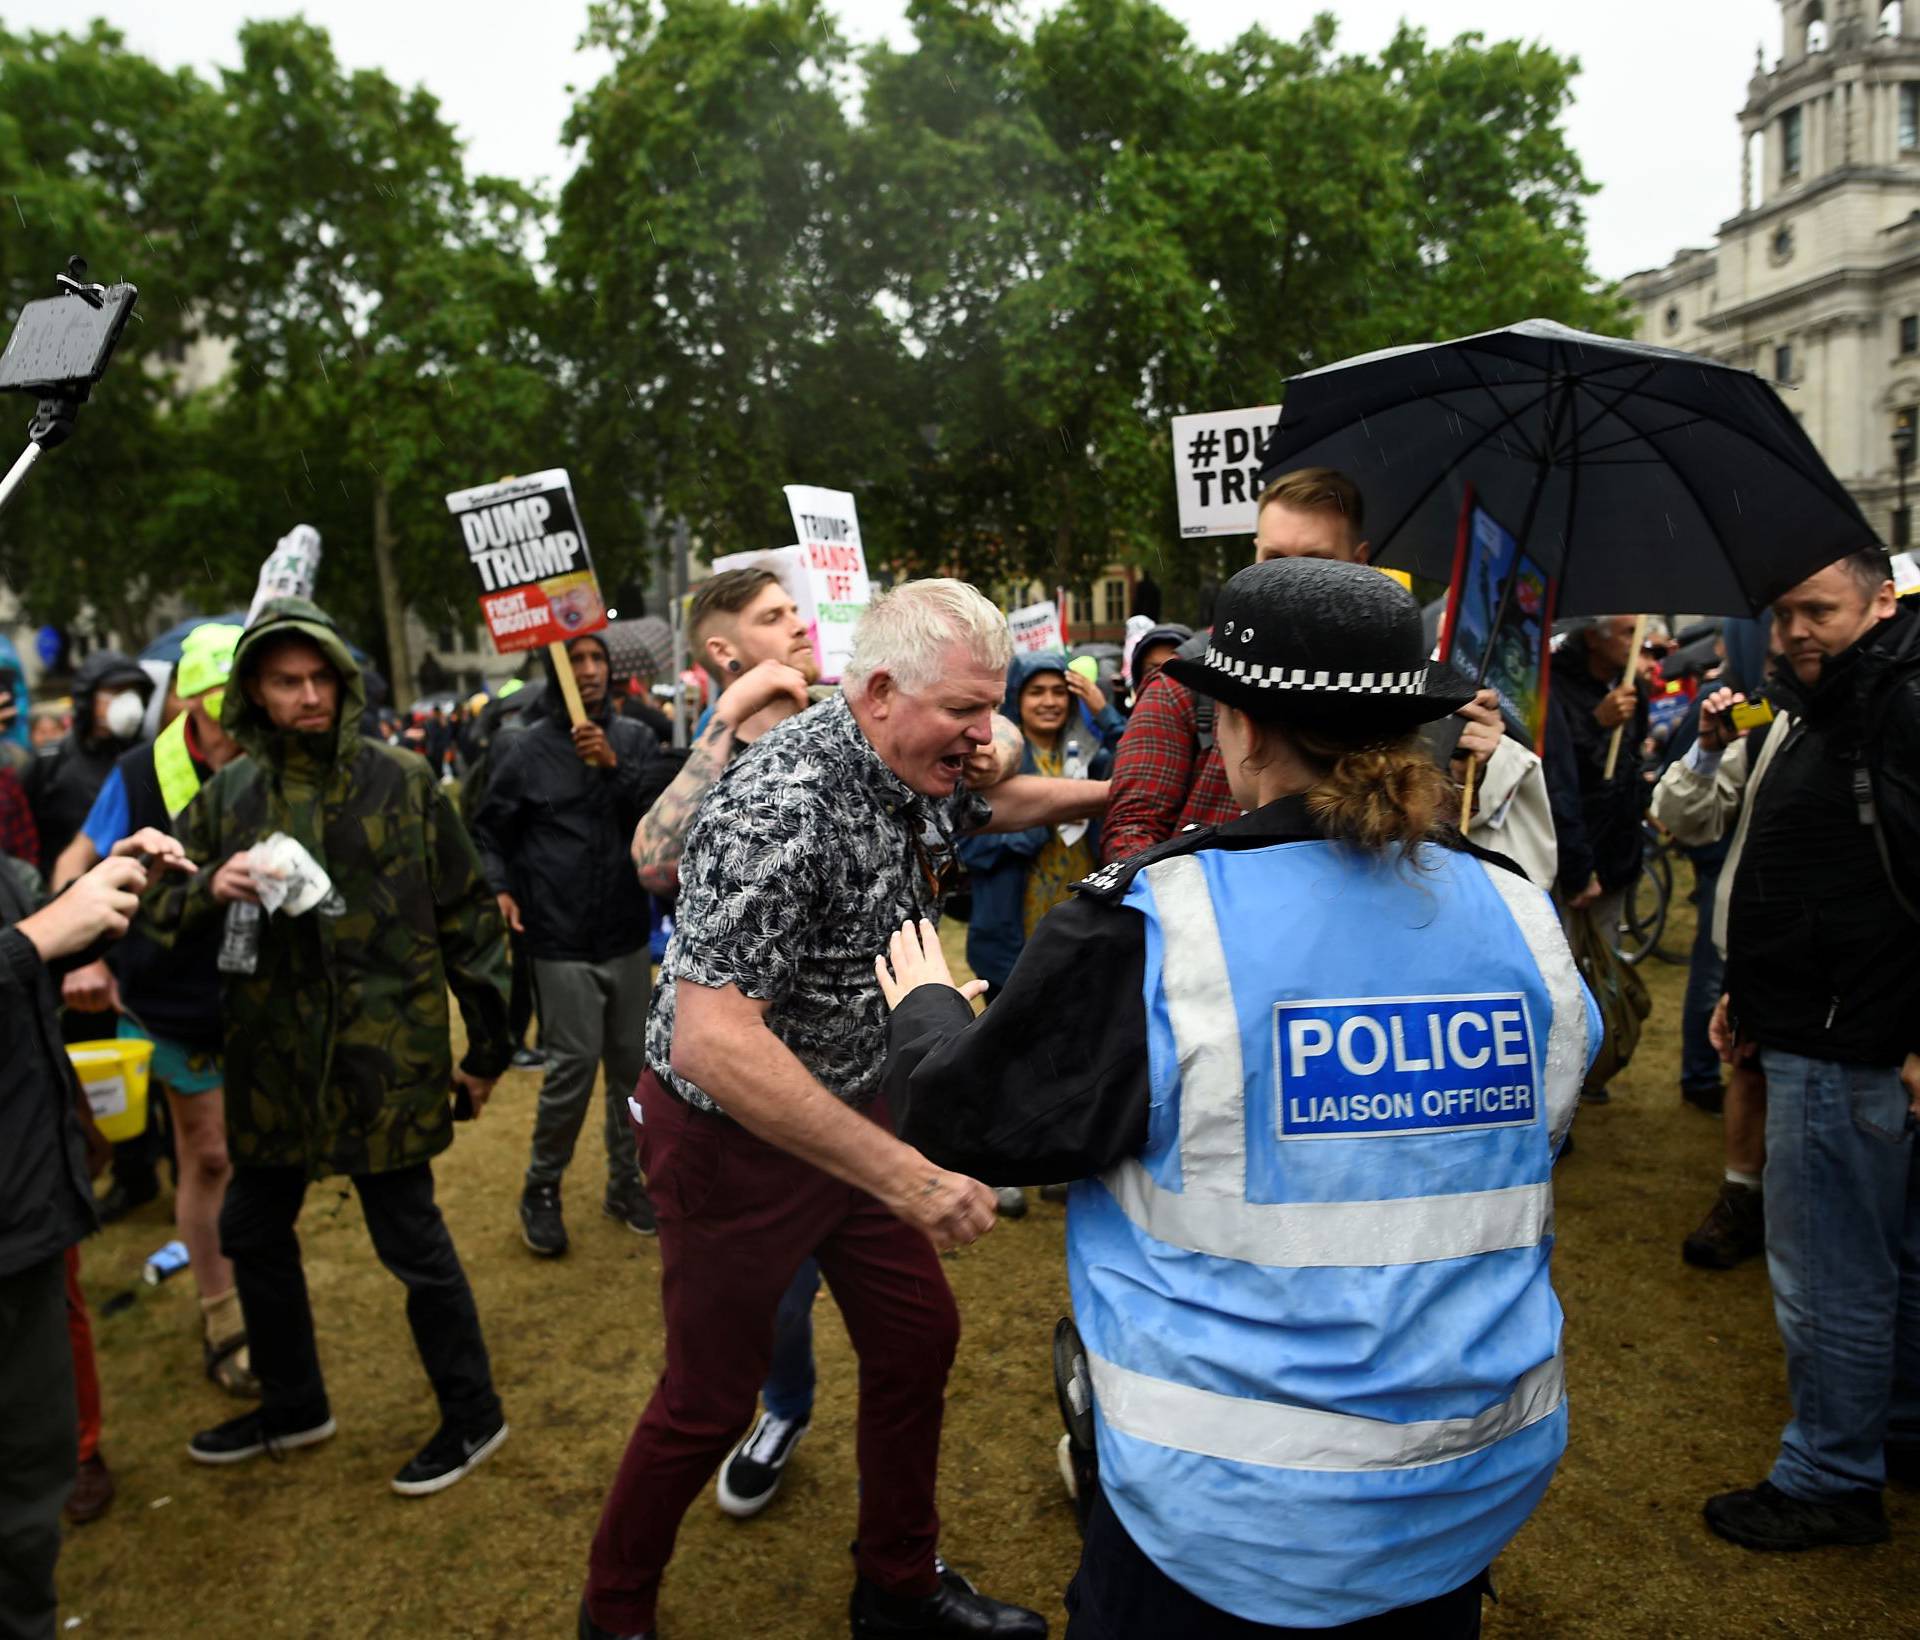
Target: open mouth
[[954, 766]]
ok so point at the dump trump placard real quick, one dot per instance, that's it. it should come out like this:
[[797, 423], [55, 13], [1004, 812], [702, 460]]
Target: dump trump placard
[[1216, 469], [528, 552]]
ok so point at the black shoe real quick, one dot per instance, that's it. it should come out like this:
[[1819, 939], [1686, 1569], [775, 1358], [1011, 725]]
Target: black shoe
[[1596, 1096], [590, 1630], [1734, 1230], [1056, 1193], [528, 1059], [956, 1610], [1010, 1201], [636, 1214], [248, 1436], [1708, 1096], [541, 1227], [448, 1456], [751, 1475], [1764, 1517]]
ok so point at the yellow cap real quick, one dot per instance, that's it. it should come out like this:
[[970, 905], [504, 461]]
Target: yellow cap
[[206, 660]]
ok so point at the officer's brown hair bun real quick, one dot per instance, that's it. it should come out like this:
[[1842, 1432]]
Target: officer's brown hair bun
[[1388, 794]]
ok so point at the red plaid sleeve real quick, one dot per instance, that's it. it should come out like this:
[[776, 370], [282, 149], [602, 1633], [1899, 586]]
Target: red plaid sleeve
[[18, 834], [1153, 770]]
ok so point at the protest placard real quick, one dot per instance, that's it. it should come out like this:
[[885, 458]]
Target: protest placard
[[1216, 469], [828, 527], [289, 570], [528, 551], [1036, 629], [1493, 640]]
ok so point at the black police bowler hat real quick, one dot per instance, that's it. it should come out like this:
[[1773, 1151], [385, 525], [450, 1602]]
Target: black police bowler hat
[[1329, 646]]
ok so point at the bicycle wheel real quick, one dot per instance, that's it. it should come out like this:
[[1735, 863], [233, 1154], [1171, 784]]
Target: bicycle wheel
[[1643, 914]]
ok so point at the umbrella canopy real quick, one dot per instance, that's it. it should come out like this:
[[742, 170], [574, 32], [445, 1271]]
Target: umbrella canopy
[[639, 648], [1645, 478]]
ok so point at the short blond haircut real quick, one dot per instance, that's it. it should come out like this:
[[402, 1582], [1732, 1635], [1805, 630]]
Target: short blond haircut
[[1317, 489], [906, 631]]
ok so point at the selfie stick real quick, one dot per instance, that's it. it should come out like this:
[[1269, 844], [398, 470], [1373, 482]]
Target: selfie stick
[[53, 416]]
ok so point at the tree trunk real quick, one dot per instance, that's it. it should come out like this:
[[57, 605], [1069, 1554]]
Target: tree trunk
[[393, 611]]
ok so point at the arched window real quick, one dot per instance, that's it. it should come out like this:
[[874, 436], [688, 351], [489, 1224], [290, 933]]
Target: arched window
[[1813, 23]]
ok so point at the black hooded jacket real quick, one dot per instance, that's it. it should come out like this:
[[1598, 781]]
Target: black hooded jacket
[[1597, 819], [62, 786], [556, 835], [1819, 949]]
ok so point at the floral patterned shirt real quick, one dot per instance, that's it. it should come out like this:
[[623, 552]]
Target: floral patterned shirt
[[806, 857]]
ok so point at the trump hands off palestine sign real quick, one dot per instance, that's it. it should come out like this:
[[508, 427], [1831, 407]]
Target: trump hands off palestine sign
[[524, 541]]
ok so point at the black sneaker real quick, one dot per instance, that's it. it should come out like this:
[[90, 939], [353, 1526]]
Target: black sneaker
[[956, 1609], [1056, 1193], [448, 1456], [636, 1213], [1010, 1200], [541, 1227], [751, 1475], [1903, 1463], [1596, 1096], [247, 1436], [1764, 1517], [1708, 1096], [1734, 1230], [528, 1059]]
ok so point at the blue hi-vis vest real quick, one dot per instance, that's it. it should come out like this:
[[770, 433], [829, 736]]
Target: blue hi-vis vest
[[1324, 1346]]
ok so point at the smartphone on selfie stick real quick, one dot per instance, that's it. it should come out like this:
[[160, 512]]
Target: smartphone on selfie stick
[[59, 348]]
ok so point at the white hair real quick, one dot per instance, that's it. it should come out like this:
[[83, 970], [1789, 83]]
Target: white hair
[[906, 632]]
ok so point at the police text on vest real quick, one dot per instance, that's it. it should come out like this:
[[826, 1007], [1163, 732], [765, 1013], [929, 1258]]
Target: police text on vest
[[1377, 1067]]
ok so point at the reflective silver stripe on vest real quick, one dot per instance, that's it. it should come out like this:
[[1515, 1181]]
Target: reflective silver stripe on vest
[[1206, 1031], [1567, 1056], [1316, 1235], [1243, 1430]]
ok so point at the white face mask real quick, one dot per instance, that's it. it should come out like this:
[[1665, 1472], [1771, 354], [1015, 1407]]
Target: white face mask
[[125, 713]]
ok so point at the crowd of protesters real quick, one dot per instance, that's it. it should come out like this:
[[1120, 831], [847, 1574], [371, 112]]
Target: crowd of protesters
[[766, 1119]]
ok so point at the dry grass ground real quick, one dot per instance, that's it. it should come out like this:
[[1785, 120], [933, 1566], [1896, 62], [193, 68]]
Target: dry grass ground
[[1675, 1376]]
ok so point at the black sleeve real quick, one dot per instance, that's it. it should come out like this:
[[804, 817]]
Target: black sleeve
[[1051, 1082], [1561, 766]]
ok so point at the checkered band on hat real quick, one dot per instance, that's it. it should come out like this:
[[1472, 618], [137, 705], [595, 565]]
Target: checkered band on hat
[[1305, 678]]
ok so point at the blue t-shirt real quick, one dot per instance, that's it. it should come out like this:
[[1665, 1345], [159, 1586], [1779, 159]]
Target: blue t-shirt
[[109, 819]]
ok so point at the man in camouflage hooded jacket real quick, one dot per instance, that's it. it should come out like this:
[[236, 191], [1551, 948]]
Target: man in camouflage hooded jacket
[[337, 1041]]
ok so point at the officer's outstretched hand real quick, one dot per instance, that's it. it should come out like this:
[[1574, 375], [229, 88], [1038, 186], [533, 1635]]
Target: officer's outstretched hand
[[913, 959]]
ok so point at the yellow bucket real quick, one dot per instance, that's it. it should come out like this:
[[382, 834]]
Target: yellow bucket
[[115, 1077]]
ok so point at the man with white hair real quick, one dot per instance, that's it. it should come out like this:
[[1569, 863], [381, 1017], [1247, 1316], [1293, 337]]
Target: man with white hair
[[762, 1131]]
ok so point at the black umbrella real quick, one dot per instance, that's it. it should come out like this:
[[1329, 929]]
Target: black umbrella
[[1643, 477]]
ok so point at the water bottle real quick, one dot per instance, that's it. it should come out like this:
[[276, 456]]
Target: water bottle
[[240, 939]]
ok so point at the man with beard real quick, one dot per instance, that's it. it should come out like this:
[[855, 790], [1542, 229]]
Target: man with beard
[[552, 833]]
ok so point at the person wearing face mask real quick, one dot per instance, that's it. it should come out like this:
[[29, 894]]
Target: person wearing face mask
[[110, 695]]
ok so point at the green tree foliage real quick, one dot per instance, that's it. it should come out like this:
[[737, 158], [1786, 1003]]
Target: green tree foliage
[[971, 280]]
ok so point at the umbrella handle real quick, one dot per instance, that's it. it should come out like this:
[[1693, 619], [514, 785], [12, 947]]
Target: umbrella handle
[[1466, 795]]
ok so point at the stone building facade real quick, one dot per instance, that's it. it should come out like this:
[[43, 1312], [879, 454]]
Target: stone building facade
[[1815, 282]]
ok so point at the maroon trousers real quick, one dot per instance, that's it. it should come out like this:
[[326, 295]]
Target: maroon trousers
[[737, 1216]]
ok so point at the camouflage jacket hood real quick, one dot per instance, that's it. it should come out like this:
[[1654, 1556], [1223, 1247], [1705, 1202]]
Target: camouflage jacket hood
[[338, 1052]]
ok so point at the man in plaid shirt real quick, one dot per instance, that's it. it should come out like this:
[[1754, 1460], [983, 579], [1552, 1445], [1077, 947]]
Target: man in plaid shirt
[[1167, 774]]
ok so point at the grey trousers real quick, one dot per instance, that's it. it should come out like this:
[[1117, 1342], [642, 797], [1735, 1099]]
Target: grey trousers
[[591, 1013], [39, 1443]]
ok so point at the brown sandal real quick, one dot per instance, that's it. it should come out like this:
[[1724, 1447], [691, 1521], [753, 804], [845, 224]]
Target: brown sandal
[[225, 1369]]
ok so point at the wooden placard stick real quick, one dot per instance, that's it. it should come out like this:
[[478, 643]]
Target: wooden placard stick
[[563, 670], [1633, 668]]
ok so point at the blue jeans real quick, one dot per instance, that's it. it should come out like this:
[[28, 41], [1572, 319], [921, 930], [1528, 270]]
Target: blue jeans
[[1706, 972], [788, 1391], [1843, 1249]]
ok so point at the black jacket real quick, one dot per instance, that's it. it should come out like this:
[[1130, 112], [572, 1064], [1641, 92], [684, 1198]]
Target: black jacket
[[1820, 954], [46, 1198], [556, 835], [1597, 820], [63, 785]]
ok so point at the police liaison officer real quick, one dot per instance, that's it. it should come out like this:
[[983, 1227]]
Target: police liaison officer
[[1311, 1069]]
